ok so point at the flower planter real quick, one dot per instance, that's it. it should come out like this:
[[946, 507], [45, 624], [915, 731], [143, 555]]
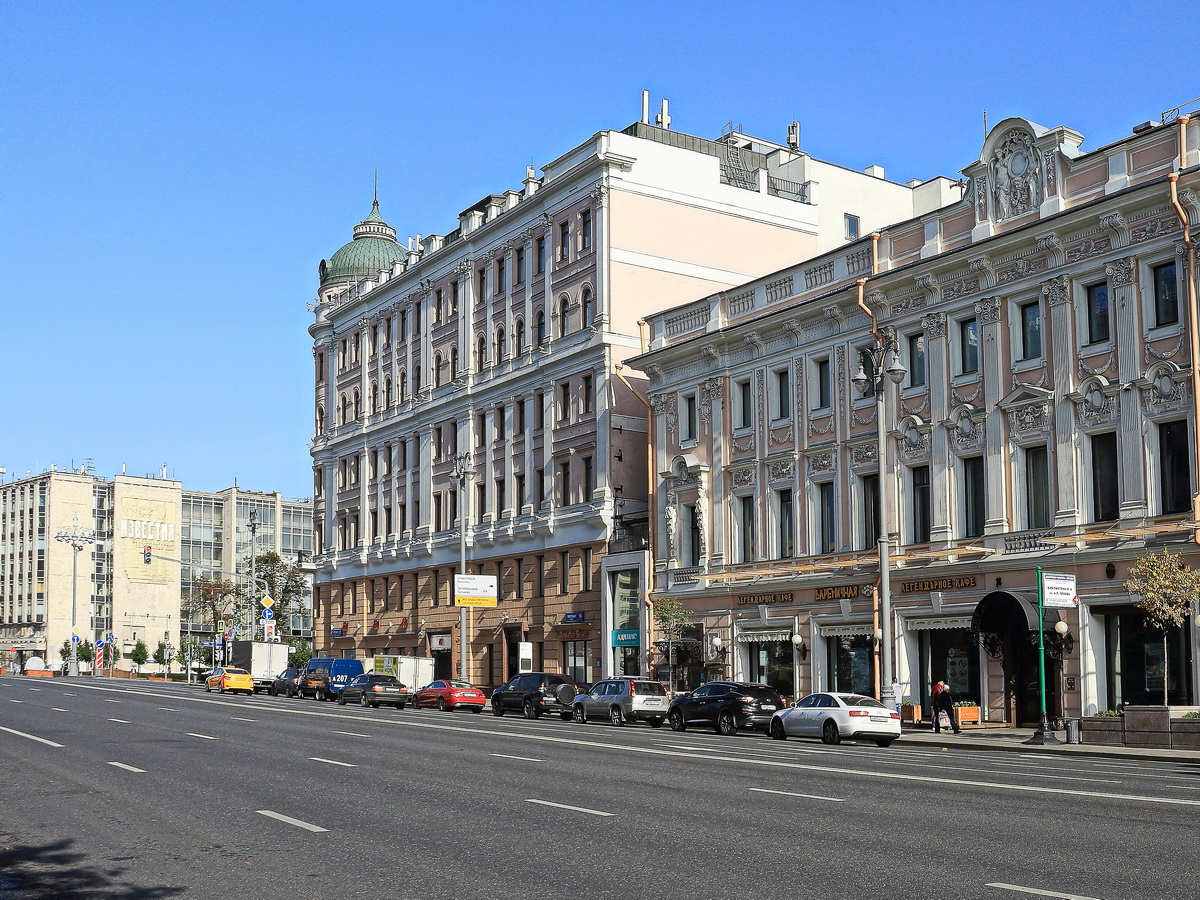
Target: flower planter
[[1185, 734], [1148, 726], [967, 715], [1107, 731], [910, 714]]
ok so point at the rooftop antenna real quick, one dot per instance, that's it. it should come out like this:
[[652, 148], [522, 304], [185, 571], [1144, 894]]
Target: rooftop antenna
[[375, 199], [985, 123], [793, 137]]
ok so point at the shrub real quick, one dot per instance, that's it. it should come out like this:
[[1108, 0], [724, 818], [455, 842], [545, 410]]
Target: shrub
[[1194, 714], [1109, 713]]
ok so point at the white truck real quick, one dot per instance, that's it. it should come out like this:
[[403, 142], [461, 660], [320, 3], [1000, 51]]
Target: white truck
[[414, 671], [262, 659]]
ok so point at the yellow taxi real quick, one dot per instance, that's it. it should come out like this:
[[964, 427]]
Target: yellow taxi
[[230, 680]]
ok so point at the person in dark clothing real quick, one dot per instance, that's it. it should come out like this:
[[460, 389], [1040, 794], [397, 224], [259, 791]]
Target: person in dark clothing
[[943, 701]]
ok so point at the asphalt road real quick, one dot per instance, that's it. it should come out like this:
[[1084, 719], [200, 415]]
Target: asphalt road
[[132, 790]]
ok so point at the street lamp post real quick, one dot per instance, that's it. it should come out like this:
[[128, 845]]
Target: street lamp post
[[463, 472], [78, 538], [885, 367]]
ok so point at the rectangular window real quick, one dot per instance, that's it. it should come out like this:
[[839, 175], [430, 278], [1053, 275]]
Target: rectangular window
[[916, 359], [564, 241], [519, 416], [519, 271], [499, 417], [851, 227], [480, 429], [564, 483], [1166, 296], [480, 502], [920, 505], [1031, 330], [564, 572], [453, 297], [1106, 493], [541, 255], [691, 554], [689, 420], [745, 404], [539, 409], [827, 516], [482, 281], [1037, 487], [520, 579], [589, 479], [540, 576], [823, 384], [870, 489], [973, 496], [438, 524], [968, 340], [564, 401], [787, 524], [453, 516], [1097, 312], [585, 227], [402, 515], [501, 275], [783, 394], [746, 508], [519, 499], [585, 569], [1175, 467], [501, 499], [539, 484], [588, 401]]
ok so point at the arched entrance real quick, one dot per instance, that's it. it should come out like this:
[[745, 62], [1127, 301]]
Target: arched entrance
[[1005, 624]]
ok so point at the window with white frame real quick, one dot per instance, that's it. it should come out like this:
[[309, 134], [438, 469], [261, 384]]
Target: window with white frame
[[1106, 477], [823, 390], [1037, 487], [920, 504], [743, 403], [1096, 298], [826, 518], [1030, 320], [746, 532], [870, 511], [1166, 294], [781, 399], [785, 516], [689, 422], [1174, 467], [968, 346], [915, 345], [973, 496]]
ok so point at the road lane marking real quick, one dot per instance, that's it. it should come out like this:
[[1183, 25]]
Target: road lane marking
[[32, 737], [128, 768], [1038, 891], [1053, 775], [35, 689], [333, 762], [59, 709], [524, 758], [11, 700], [791, 794], [122, 721], [111, 700], [582, 809], [240, 719], [68, 695], [289, 820], [207, 737], [352, 733], [168, 709]]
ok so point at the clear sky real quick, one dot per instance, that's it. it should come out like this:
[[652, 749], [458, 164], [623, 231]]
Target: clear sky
[[172, 173]]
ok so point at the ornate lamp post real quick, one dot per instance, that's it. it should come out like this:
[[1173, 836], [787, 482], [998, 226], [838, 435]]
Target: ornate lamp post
[[885, 367], [463, 472], [78, 538]]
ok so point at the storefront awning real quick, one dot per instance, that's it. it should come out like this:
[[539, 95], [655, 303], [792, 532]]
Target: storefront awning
[[763, 637], [847, 630], [938, 623], [999, 610]]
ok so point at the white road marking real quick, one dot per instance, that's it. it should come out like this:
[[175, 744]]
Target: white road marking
[[289, 820], [128, 768], [352, 733], [111, 700], [590, 812], [333, 762], [791, 794], [122, 721], [68, 695], [59, 709], [240, 719], [168, 709], [35, 689], [524, 758], [32, 737], [1054, 775], [1038, 891], [11, 700], [207, 737]]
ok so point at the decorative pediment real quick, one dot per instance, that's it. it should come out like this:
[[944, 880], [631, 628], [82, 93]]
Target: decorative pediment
[[1164, 390], [1097, 402], [1029, 409], [913, 438], [964, 426]]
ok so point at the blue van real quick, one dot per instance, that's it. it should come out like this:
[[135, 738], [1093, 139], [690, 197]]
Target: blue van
[[324, 676]]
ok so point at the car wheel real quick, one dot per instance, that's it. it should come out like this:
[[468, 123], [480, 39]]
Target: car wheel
[[830, 733], [497, 709], [777, 733], [884, 742], [616, 716], [676, 720], [401, 705], [318, 695], [442, 704], [207, 688], [578, 714], [341, 699], [271, 691], [222, 689], [530, 710], [364, 701], [656, 722], [727, 724]]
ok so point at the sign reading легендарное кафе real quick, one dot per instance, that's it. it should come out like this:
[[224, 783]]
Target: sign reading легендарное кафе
[[957, 583]]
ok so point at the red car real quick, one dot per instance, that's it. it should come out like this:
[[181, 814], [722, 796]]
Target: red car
[[450, 695]]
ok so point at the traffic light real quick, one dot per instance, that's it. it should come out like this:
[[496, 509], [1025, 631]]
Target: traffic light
[[146, 555]]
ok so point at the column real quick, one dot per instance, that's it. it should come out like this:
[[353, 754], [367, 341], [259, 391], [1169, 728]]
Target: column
[[993, 364], [1061, 315], [937, 373], [1125, 308]]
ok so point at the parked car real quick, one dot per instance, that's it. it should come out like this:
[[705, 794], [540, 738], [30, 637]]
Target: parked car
[[374, 691], [728, 706], [229, 680], [285, 684], [534, 693], [622, 700], [324, 676], [450, 695], [832, 717]]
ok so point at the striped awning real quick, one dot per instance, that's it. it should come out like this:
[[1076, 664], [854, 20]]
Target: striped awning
[[937, 623], [862, 628], [763, 637]]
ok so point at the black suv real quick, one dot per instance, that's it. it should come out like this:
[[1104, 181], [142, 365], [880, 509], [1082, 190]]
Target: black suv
[[726, 705], [534, 693], [285, 684]]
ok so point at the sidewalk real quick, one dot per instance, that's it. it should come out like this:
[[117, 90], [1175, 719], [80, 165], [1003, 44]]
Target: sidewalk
[[1013, 740]]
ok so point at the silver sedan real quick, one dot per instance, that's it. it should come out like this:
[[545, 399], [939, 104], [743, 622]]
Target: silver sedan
[[832, 717]]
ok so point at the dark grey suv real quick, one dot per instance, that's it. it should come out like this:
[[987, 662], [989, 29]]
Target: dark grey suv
[[534, 693]]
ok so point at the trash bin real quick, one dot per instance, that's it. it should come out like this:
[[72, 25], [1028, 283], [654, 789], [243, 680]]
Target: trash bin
[[1073, 731]]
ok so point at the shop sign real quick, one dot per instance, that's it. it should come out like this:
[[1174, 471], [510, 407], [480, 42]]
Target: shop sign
[[440, 642], [959, 582], [474, 590], [572, 618], [336, 632], [757, 599], [629, 638], [1058, 591], [575, 634], [837, 592]]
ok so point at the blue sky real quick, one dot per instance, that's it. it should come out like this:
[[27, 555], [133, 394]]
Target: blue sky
[[173, 173]]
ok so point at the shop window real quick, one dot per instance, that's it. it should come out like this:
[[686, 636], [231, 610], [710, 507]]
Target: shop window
[[851, 664]]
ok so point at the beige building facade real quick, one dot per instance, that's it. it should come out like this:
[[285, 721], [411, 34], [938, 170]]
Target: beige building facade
[[1045, 329]]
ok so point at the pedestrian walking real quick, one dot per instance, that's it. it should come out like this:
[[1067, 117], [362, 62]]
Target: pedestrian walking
[[943, 702], [897, 694]]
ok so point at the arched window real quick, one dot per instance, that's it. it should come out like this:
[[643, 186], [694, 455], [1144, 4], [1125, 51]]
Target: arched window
[[480, 354], [453, 363], [563, 322], [519, 338], [343, 410], [403, 386], [500, 348], [541, 329], [320, 420], [387, 392], [374, 398], [437, 370], [589, 308], [357, 405]]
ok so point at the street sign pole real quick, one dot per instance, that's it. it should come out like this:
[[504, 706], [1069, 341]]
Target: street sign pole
[[1043, 734]]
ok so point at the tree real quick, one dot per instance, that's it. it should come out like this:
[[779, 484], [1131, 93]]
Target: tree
[[299, 657], [86, 650], [671, 617], [213, 597], [285, 583], [1164, 589], [160, 653], [139, 655]]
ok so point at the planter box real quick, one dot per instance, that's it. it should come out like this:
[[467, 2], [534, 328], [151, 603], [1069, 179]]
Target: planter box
[[966, 714], [1185, 734], [1148, 726], [40, 673], [1108, 731], [910, 714]]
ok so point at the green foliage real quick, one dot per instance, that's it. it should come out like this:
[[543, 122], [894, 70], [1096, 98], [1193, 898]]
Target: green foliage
[[300, 655], [285, 583], [1164, 589], [160, 653], [908, 702], [671, 617], [139, 654], [1192, 715], [1108, 713], [86, 651], [965, 703]]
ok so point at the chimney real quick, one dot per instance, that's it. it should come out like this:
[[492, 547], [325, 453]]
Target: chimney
[[874, 171]]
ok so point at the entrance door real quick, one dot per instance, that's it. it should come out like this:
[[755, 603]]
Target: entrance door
[[1006, 625], [443, 664], [512, 656]]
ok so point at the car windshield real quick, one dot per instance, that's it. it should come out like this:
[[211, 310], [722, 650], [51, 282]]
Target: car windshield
[[462, 685], [236, 672], [856, 700], [759, 692], [384, 679], [650, 687]]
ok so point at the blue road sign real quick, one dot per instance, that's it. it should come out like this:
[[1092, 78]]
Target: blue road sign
[[267, 614], [99, 644], [75, 639], [206, 643]]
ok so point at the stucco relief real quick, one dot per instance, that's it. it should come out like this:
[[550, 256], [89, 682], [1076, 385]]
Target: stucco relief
[[988, 310], [1051, 174], [781, 471], [821, 462], [743, 478], [710, 390], [1090, 246], [1030, 419], [1016, 173], [1022, 268], [1056, 290], [1144, 231], [1120, 272], [934, 324], [960, 288]]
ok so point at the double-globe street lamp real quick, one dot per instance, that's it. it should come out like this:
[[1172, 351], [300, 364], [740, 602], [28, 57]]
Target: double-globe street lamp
[[78, 538], [885, 364], [463, 473]]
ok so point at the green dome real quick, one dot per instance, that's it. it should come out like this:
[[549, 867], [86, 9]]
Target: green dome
[[374, 247]]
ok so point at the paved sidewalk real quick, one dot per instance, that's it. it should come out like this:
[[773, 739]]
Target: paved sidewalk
[[1013, 739]]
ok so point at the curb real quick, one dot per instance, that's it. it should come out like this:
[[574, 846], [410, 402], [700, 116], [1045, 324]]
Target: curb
[[1054, 749]]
